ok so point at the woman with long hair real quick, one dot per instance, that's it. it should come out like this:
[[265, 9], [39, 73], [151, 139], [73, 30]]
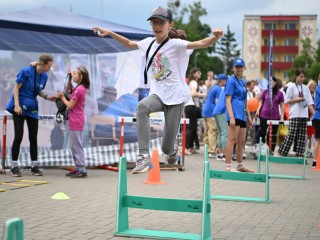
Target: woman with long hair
[[191, 111], [30, 83], [300, 101], [166, 65], [267, 112]]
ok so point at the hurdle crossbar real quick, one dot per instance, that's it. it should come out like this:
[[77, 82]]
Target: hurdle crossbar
[[286, 160], [241, 176], [126, 201]]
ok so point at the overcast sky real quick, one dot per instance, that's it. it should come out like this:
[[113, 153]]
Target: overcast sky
[[135, 12]]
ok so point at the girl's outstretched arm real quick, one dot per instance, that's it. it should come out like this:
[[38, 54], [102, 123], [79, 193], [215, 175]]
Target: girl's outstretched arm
[[206, 42], [102, 32]]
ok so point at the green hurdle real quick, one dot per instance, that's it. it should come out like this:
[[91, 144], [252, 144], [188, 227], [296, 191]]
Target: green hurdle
[[240, 176], [286, 160], [13, 229], [126, 201]]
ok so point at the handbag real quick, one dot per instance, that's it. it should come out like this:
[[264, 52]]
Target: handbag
[[281, 133], [62, 113]]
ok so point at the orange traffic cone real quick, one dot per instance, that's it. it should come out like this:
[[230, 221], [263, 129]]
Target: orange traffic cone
[[318, 162], [154, 173]]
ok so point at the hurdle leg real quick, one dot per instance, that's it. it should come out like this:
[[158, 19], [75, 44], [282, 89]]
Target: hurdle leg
[[13, 229], [206, 206], [122, 211]]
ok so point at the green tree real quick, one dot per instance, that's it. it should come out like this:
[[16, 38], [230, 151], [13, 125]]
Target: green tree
[[195, 30], [308, 60], [227, 48]]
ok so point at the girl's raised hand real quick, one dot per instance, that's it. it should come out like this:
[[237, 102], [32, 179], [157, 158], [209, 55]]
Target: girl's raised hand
[[100, 32], [218, 32]]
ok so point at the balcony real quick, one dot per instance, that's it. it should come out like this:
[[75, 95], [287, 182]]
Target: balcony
[[281, 49], [277, 65], [281, 33]]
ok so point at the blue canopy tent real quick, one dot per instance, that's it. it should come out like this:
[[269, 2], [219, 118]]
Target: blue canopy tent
[[47, 29]]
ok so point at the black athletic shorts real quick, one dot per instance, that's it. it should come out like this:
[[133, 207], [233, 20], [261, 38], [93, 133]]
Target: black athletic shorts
[[240, 123]]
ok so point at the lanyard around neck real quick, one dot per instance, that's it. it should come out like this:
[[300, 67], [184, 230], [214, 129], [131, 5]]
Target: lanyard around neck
[[298, 89]]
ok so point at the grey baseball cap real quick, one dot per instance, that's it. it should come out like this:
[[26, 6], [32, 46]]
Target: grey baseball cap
[[162, 13]]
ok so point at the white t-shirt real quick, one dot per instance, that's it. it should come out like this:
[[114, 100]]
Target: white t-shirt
[[192, 84], [257, 90], [167, 72], [297, 110]]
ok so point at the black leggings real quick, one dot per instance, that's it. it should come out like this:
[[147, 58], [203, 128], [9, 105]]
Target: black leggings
[[192, 127], [32, 123]]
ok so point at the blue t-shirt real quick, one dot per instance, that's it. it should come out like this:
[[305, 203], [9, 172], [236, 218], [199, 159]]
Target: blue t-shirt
[[220, 107], [207, 110], [29, 91], [236, 88], [317, 103]]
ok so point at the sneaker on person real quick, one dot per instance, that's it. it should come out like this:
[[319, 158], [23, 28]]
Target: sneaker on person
[[212, 155], [221, 157], [255, 149], [15, 172], [143, 164], [309, 154], [244, 169], [244, 155], [234, 157], [79, 174], [69, 174], [314, 163], [292, 153], [171, 159], [193, 151], [187, 152], [35, 171]]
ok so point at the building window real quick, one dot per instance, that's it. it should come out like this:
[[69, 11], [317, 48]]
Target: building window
[[266, 42], [289, 58], [269, 26], [290, 42], [290, 26]]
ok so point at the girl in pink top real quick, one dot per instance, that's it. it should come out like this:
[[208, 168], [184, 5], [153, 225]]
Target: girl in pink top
[[77, 120]]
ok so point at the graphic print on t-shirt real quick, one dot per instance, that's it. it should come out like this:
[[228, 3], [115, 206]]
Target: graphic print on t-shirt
[[160, 67]]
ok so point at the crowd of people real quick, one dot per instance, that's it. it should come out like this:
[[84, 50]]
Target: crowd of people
[[221, 102], [230, 127]]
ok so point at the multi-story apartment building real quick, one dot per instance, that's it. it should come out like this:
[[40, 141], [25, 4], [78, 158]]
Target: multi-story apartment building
[[288, 31]]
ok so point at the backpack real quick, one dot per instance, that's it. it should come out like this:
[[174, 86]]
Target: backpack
[[62, 113]]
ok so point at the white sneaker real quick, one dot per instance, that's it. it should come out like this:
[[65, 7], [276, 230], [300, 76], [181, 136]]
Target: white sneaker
[[212, 155], [220, 157]]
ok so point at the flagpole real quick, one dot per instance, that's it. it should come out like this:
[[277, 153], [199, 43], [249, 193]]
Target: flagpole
[[270, 87]]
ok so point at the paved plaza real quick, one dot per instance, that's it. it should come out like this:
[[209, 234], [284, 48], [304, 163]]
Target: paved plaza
[[90, 213]]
